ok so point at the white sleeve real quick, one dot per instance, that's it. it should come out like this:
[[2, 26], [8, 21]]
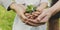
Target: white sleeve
[[6, 3], [44, 1], [47, 1], [19, 1], [0, 1]]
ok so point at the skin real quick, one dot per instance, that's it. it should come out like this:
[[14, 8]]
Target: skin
[[42, 6], [35, 22], [40, 9], [46, 14], [20, 11], [43, 17]]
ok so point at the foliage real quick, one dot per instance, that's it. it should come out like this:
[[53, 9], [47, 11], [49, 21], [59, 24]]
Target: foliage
[[6, 19]]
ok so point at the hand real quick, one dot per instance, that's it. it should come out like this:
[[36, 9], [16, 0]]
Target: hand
[[20, 9], [30, 21], [33, 21], [45, 15], [36, 14], [21, 13], [41, 7], [25, 17], [38, 11]]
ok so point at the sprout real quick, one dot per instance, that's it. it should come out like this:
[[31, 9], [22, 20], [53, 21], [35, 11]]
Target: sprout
[[30, 8]]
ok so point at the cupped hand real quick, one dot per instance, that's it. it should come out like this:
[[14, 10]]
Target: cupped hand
[[34, 19], [37, 12], [44, 16], [20, 10], [33, 22], [30, 21]]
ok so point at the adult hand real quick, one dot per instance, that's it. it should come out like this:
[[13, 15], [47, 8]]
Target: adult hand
[[45, 16], [30, 21], [20, 9], [25, 18], [33, 21], [38, 10]]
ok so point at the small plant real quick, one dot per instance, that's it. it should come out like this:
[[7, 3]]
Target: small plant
[[30, 9], [30, 12]]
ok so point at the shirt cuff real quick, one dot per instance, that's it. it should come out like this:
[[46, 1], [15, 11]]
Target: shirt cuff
[[7, 3]]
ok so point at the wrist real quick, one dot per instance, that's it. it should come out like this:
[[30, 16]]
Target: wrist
[[42, 6], [13, 6], [53, 11]]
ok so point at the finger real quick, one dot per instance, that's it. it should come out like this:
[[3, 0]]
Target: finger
[[31, 24], [27, 14], [30, 17], [45, 19], [34, 21], [41, 23], [23, 20], [24, 17], [40, 17], [35, 13], [38, 9]]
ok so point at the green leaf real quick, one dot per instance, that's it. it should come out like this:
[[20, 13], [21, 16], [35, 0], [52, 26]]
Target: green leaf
[[30, 8]]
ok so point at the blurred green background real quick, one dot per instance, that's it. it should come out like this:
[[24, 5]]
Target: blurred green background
[[6, 19]]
